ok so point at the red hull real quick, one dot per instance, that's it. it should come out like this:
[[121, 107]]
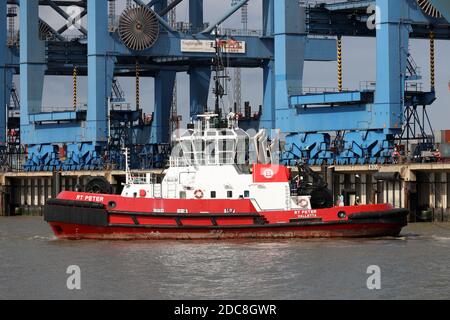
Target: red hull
[[79, 232], [115, 217]]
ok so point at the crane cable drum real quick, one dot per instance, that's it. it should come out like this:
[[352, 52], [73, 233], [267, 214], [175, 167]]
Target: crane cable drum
[[138, 28]]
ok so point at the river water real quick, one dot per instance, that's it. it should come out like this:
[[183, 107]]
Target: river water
[[33, 265]]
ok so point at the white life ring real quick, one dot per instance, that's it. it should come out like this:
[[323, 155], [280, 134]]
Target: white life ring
[[303, 203], [198, 194]]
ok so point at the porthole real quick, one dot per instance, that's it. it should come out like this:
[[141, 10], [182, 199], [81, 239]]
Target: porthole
[[112, 204]]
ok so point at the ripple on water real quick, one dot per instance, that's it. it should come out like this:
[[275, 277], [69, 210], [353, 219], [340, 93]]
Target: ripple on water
[[34, 262]]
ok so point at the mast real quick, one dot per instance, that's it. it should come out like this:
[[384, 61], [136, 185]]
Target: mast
[[174, 117], [220, 75], [238, 71]]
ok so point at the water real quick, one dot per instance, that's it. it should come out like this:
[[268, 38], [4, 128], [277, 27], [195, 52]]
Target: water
[[33, 266]]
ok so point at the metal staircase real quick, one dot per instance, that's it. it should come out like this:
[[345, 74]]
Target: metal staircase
[[413, 72], [118, 95]]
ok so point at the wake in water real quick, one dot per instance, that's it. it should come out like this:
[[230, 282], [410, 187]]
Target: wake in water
[[440, 238], [43, 238]]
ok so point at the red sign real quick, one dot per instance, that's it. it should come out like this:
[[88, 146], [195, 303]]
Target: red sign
[[270, 173]]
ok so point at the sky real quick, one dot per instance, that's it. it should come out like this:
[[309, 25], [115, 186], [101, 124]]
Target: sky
[[359, 62]]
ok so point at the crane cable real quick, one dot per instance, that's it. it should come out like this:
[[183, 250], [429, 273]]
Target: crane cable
[[75, 75], [432, 62], [339, 57], [138, 98]]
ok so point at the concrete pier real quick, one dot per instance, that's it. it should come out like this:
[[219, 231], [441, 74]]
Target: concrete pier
[[422, 188], [25, 193]]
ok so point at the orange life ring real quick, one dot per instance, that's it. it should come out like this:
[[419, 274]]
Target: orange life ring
[[198, 194]]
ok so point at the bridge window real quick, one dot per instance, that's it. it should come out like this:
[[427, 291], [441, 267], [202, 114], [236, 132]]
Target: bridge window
[[246, 194], [213, 194], [230, 194]]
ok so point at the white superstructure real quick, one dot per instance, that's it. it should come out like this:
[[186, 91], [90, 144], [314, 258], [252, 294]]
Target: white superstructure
[[214, 163]]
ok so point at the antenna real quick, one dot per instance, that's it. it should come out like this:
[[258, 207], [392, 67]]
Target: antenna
[[174, 117], [126, 153], [221, 77], [237, 71]]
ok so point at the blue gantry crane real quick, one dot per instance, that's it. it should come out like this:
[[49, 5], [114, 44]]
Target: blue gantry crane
[[338, 126], [78, 138], [361, 126]]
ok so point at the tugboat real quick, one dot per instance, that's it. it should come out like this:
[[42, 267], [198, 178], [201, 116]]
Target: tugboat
[[210, 191], [221, 183]]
